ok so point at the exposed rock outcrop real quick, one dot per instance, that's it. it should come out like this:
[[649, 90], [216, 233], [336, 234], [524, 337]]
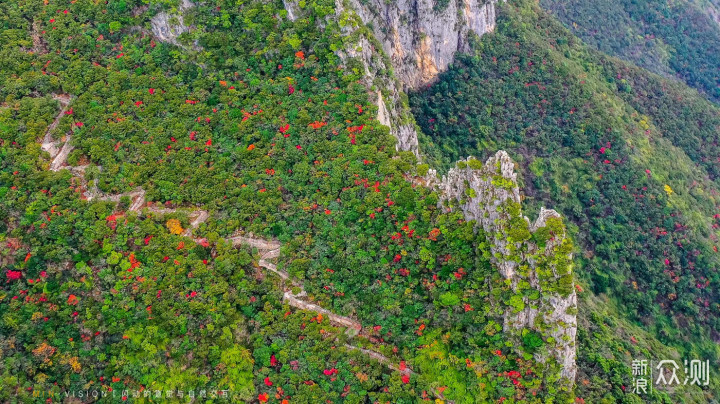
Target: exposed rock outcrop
[[292, 9], [533, 259], [167, 27], [420, 37], [393, 112], [418, 42]]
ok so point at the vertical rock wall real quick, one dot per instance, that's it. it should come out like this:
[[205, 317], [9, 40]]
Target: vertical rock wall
[[384, 89], [418, 41], [421, 37]]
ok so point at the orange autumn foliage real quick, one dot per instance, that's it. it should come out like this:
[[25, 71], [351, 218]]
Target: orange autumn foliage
[[173, 225]]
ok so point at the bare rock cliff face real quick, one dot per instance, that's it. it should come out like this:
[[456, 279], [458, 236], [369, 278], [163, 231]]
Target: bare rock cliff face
[[533, 258], [392, 111], [421, 39], [418, 42]]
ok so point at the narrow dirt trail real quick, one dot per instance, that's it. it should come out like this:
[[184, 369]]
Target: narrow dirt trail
[[380, 358], [260, 244], [295, 301], [62, 156], [202, 217], [269, 249], [137, 196], [48, 144]]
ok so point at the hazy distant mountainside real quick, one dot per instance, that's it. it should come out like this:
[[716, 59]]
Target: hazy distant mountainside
[[676, 39]]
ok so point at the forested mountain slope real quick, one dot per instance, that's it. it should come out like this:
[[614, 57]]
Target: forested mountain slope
[[628, 157], [235, 195], [202, 196], [676, 39]]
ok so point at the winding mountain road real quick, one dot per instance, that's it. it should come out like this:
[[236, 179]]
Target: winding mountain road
[[268, 249]]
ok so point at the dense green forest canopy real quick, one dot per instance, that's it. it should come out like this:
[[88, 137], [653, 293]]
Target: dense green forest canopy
[[676, 39]]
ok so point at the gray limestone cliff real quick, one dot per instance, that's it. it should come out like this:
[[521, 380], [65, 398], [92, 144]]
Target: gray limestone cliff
[[533, 258], [363, 51], [393, 109], [415, 40], [422, 38]]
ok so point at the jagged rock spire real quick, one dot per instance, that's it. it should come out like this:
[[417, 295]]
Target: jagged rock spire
[[534, 259]]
